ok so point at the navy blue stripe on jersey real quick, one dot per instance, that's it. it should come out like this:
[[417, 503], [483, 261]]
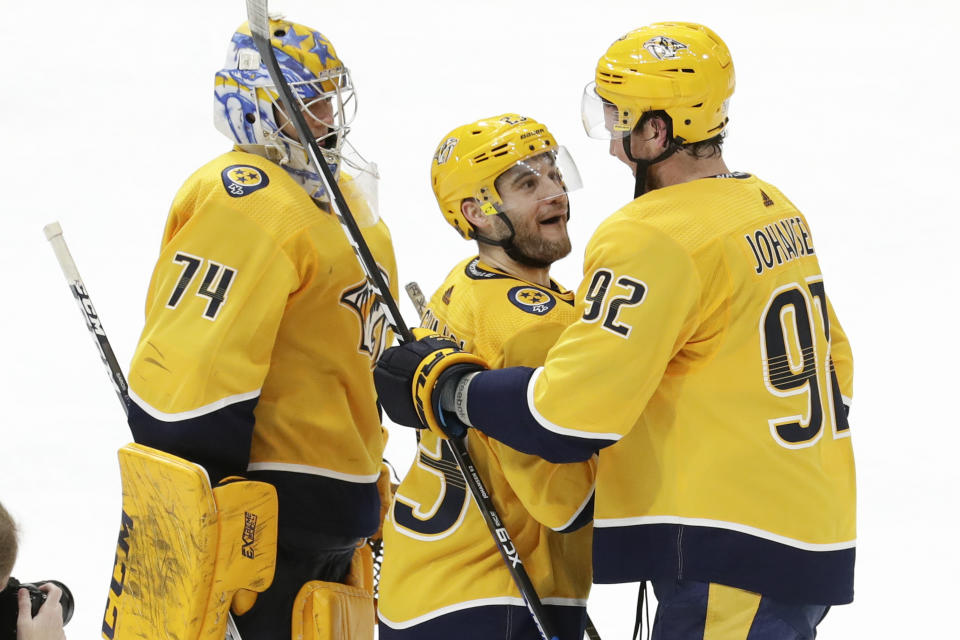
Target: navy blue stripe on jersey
[[219, 441], [497, 406], [474, 271], [323, 505], [504, 622], [712, 554]]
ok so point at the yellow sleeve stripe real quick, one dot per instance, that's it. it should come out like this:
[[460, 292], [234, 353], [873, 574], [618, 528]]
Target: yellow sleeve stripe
[[156, 414], [600, 523], [315, 471], [550, 426]]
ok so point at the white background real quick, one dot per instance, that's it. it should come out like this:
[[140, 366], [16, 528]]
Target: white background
[[850, 107]]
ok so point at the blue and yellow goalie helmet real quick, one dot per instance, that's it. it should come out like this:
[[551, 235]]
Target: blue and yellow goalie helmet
[[247, 108], [681, 68], [470, 158]]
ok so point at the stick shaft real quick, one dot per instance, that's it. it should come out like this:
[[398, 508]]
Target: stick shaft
[[260, 29], [257, 15], [417, 298], [55, 235], [501, 537]]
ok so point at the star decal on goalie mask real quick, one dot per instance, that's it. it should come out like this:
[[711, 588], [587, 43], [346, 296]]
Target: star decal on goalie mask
[[291, 39], [321, 49]]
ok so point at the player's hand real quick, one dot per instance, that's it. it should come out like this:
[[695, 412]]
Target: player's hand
[[410, 380], [48, 623]]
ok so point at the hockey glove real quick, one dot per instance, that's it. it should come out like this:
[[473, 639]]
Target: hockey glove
[[410, 380]]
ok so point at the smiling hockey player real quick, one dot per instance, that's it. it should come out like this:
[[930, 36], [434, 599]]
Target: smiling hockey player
[[707, 365], [503, 182]]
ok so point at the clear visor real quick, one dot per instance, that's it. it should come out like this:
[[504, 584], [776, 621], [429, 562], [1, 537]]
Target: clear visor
[[600, 117], [359, 181], [538, 179]]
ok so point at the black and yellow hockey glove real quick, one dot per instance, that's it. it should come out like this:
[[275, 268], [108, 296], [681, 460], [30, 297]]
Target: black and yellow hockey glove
[[410, 380]]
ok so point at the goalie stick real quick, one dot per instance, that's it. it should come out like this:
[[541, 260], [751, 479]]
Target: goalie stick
[[54, 234], [420, 304], [257, 15]]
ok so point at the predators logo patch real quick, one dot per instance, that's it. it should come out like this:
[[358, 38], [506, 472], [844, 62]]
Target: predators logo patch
[[531, 300], [372, 314], [240, 180]]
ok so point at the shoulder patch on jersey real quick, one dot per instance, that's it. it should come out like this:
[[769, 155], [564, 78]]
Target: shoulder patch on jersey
[[242, 179], [531, 300], [475, 272]]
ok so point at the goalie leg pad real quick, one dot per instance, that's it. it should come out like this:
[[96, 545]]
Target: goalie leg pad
[[332, 611], [185, 548], [361, 569]]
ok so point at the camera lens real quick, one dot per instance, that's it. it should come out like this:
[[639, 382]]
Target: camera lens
[[38, 597], [66, 599], [9, 605]]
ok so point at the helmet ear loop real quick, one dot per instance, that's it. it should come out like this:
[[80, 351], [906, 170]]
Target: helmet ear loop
[[507, 242], [640, 177]]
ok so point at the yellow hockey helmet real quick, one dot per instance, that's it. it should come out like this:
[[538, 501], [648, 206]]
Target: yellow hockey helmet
[[469, 159], [681, 68]]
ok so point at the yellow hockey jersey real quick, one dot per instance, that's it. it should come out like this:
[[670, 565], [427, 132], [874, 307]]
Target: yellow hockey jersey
[[709, 362], [261, 332], [439, 556]]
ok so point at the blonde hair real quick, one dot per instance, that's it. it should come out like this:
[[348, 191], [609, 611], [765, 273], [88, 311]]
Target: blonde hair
[[8, 544]]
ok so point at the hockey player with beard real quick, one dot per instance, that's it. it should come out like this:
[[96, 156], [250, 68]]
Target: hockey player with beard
[[261, 330], [503, 182], [706, 365]]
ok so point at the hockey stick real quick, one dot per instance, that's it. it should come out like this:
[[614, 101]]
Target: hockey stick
[[55, 235], [415, 293], [420, 304], [257, 14]]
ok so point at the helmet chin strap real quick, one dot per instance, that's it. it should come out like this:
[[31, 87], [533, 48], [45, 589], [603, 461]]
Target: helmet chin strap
[[640, 177], [506, 243]]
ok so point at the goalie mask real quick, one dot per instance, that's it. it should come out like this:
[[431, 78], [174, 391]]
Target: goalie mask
[[248, 110], [471, 158]]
